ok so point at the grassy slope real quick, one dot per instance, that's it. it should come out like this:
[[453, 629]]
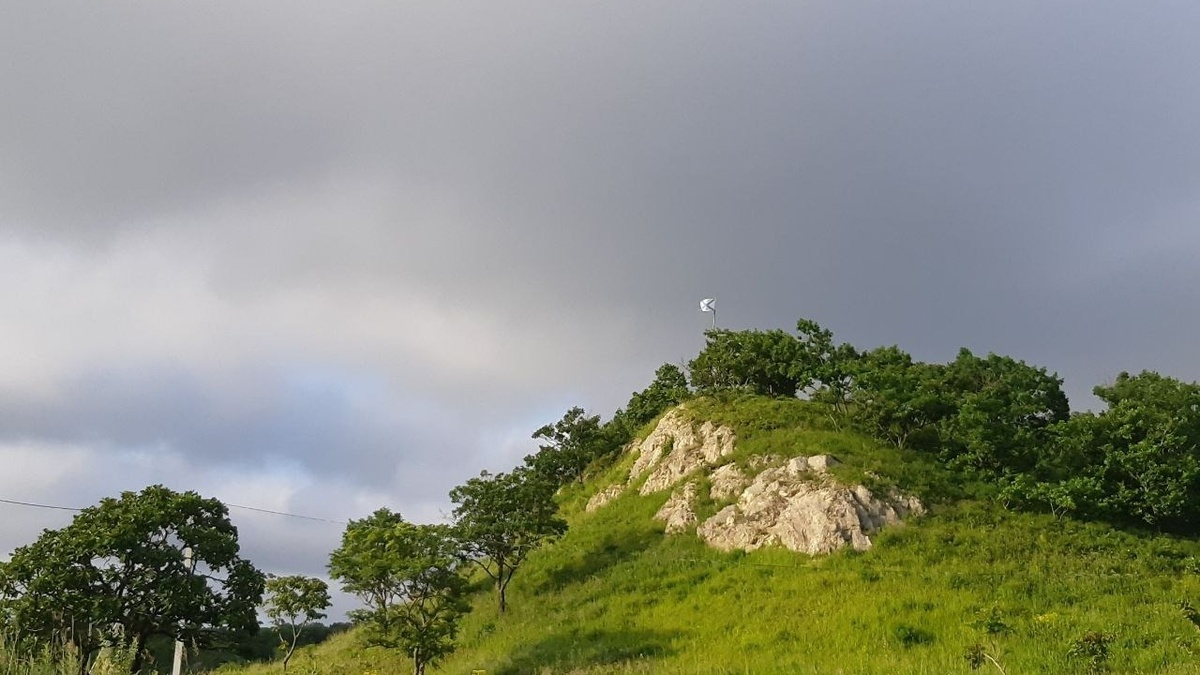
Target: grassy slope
[[616, 596]]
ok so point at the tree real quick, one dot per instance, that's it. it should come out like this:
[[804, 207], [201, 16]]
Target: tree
[[1002, 412], [568, 446], [1142, 454], [501, 518], [762, 362], [292, 602], [669, 388], [411, 580], [818, 359], [121, 563], [895, 397]]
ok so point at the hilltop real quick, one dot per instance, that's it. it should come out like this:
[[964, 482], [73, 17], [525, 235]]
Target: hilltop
[[961, 581]]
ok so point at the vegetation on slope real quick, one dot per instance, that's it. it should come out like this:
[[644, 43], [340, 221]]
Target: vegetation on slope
[[1035, 592]]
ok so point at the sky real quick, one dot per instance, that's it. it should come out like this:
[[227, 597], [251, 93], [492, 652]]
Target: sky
[[323, 258]]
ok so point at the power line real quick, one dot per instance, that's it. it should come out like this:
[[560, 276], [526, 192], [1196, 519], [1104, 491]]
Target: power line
[[18, 502], [289, 515], [40, 506]]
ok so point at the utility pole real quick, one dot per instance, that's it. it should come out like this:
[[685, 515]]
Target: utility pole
[[177, 667]]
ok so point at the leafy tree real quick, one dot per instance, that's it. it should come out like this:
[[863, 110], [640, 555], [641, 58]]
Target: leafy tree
[[293, 602], [895, 397], [411, 580], [1002, 412], [669, 388], [819, 360], [762, 362], [1140, 458], [501, 518], [568, 446], [121, 563]]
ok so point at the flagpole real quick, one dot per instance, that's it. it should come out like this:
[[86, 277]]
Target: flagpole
[[706, 305]]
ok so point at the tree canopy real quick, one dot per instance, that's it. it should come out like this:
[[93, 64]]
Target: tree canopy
[[501, 518], [410, 578], [121, 563], [292, 602], [568, 446], [669, 388]]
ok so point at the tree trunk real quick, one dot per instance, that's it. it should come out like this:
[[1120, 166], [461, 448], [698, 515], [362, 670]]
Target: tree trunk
[[501, 585]]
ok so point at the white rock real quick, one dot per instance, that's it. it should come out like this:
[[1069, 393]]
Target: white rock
[[727, 481], [798, 507], [678, 512], [676, 448]]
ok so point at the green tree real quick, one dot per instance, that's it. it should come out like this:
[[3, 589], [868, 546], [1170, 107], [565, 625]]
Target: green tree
[[121, 563], [501, 518], [568, 446], [895, 397], [819, 360], [1002, 412], [411, 580], [1140, 456], [762, 362], [293, 602], [669, 388]]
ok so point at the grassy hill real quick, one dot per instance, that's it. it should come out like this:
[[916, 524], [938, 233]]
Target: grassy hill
[[1035, 593]]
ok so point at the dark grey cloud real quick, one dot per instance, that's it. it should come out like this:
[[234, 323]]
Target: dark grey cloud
[[364, 249]]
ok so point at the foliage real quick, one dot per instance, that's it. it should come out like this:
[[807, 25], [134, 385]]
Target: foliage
[[762, 362], [1002, 412], [292, 602], [121, 563], [410, 578], [568, 447], [1092, 649], [1138, 461], [501, 518], [895, 397], [669, 388], [819, 360]]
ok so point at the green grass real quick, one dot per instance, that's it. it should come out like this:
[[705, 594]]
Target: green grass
[[616, 596]]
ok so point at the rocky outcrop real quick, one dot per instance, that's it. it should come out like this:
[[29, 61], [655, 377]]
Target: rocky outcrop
[[676, 448], [678, 512], [798, 506], [794, 503]]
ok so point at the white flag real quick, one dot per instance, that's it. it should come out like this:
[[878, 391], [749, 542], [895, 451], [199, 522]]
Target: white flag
[[706, 305]]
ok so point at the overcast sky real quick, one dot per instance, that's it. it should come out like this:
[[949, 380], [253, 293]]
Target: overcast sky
[[324, 257]]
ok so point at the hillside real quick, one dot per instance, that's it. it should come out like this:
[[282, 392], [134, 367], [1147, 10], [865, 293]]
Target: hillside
[[1035, 593]]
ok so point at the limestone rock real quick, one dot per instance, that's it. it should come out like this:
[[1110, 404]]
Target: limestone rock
[[678, 512], [691, 447], [799, 507], [727, 481], [604, 496]]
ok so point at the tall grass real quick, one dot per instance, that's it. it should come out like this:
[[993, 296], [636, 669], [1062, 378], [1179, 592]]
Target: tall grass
[[20, 659]]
